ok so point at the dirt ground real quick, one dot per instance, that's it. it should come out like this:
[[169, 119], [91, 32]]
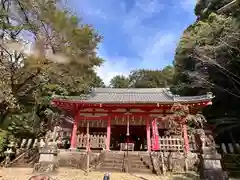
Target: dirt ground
[[75, 174]]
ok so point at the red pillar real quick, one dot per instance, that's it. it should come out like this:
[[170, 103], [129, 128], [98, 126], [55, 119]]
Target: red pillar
[[74, 131], [155, 146], [148, 134], [185, 137], [108, 134]]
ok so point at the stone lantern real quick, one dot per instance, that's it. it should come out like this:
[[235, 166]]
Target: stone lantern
[[9, 153]]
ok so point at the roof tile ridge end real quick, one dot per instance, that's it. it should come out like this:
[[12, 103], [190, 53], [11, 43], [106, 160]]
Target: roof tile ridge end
[[210, 95], [92, 92], [168, 93]]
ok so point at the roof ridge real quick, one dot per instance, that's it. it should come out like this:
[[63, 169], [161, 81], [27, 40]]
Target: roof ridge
[[129, 90]]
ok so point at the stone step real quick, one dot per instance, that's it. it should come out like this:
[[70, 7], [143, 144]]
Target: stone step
[[235, 173], [110, 154], [141, 166], [114, 154], [137, 170], [133, 155], [112, 157], [111, 164], [113, 161], [109, 169], [230, 159], [135, 160], [232, 165]]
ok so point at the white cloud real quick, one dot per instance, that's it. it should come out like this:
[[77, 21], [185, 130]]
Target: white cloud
[[112, 66], [149, 44], [149, 6], [142, 10], [110, 69], [90, 9], [153, 56], [155, 53]]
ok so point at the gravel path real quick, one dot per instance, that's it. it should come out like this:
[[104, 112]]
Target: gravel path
[[74, 174]]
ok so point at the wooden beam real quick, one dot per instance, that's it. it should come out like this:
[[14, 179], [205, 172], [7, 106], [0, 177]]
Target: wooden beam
[[121, 113], [112, 116], [81, 105]]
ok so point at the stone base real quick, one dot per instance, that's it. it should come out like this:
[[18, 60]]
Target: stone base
[[45, 167], [211, 168], [214, 175]]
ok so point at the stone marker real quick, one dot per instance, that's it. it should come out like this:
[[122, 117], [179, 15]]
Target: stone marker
[[210, 163], [48, 161]]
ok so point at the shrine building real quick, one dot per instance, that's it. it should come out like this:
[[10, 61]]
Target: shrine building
[[110, 117]]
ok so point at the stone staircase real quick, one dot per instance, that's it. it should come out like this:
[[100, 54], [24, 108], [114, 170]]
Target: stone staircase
[[117, 161], [231, 164], [139, 163], [112, 162]]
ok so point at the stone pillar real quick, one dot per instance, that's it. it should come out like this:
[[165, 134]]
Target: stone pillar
[[185, 138], [108, 134], [148, 134], [74, 131], [48, 160], [210, 161]]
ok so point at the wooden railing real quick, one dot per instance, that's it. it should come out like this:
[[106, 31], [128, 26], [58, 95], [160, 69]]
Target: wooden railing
[[176, 143], [95, 141], [168, 143]]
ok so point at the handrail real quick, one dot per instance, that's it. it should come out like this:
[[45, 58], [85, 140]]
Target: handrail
[[125, 163]]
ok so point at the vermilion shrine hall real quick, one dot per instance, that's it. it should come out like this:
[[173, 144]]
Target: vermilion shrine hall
[[109, 115]]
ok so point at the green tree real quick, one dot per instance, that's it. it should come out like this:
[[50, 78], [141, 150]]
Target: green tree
[[152, 78], [144, 78], [61, 62], [97, 82], [207, 59], [204, 8], [119, 81]]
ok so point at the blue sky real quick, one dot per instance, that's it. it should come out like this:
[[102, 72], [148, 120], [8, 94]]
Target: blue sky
[[136, 33]]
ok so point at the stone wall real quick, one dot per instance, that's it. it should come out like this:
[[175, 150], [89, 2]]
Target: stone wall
[[76, 159], [176, 162]]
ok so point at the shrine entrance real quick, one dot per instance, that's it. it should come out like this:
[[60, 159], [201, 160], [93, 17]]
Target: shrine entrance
[[137, 137]]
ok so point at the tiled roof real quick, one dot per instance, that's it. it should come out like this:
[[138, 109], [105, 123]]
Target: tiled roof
[[137, 95], [110, 95]]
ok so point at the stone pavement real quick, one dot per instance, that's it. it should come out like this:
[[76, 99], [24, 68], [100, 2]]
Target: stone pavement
[[75, 174]]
